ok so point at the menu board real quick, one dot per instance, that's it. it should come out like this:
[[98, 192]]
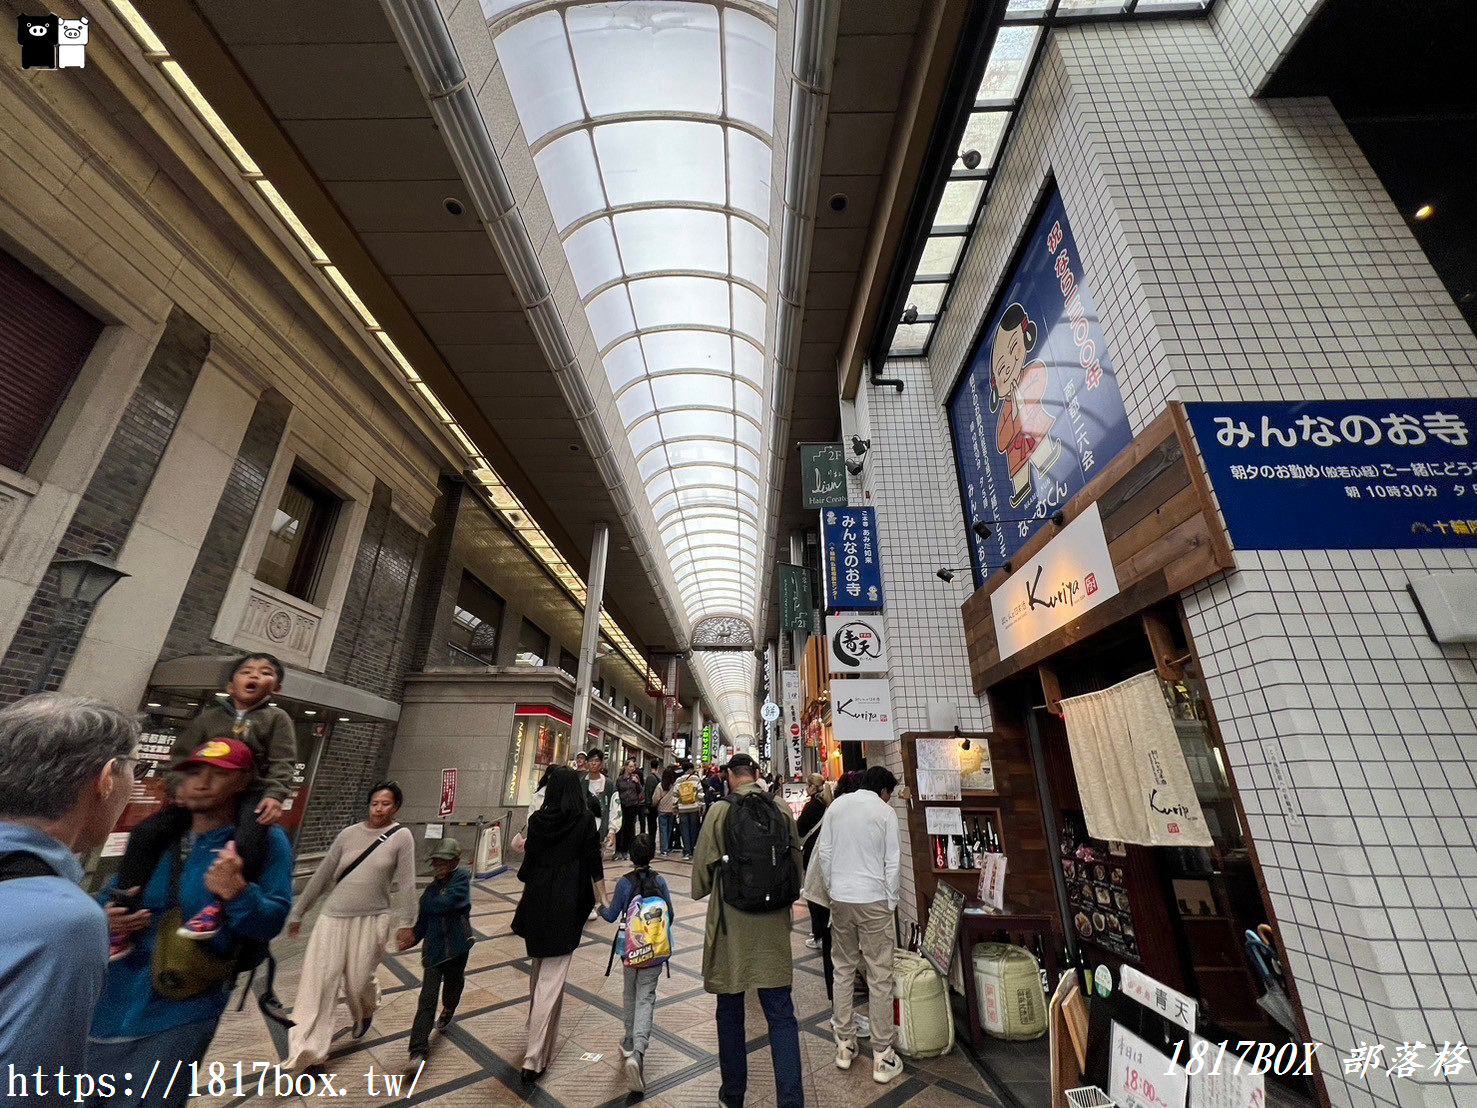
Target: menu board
[[1098, 896], [941, 935], [1141, 1076], [938, 769]]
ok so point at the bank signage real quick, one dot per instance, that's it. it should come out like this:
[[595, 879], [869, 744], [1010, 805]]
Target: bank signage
[[855, 643], [822, 475], [1068, 577], [1037, 411], [1343, 474], [851, 560], [861, 710]]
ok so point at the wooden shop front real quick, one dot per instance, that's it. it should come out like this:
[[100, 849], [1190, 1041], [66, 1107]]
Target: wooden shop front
[[1179, 914]]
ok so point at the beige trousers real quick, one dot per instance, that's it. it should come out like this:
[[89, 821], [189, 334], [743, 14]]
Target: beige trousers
[[343, 951], [546, 997], [863, 935]]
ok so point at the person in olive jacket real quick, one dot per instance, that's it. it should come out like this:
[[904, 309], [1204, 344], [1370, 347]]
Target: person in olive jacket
[[444, 924], [562, 877]]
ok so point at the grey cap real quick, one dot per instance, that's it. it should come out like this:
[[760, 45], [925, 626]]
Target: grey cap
[[449, 848]]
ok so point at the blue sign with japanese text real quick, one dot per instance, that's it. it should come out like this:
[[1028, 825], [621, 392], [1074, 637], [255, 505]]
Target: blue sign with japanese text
[[1342, 474], [1038, 410], [851, 562]]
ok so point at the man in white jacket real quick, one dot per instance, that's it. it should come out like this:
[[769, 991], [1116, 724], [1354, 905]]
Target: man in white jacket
[[860, 860]]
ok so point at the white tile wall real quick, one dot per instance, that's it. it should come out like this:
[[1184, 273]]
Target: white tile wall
[[1243, 249]]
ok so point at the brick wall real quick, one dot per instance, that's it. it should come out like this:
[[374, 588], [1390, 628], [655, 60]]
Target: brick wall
[[114, 495], [201, 602], [370, 652]]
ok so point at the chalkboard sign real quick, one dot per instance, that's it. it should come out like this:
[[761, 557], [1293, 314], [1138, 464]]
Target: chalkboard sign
[[941, 935]]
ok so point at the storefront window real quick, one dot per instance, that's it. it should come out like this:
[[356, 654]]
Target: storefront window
[[533, 646], [540, 739]]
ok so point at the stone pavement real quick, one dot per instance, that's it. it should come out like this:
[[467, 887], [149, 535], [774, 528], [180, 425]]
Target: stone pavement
[[476, 1061]]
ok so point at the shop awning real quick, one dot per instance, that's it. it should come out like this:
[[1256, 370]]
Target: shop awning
[[208, 672]]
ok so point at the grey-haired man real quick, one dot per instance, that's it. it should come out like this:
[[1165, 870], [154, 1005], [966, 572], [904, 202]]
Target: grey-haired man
[[66, 771]]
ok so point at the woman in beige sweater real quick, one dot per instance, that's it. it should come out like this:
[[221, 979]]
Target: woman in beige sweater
[[368, 876]]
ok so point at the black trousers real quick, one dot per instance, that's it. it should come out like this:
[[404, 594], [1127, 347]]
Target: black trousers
[[629, 821], [446, 979], [820, 926], [648, 822], [149, 840]]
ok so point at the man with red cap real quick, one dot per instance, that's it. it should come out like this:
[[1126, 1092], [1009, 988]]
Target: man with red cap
[[163, 1000]]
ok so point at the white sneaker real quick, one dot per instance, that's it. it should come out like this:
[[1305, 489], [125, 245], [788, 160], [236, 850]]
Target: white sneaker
[[863, 1026], [813, 943], [846, 1050], [886, 1066], [636, 1082]]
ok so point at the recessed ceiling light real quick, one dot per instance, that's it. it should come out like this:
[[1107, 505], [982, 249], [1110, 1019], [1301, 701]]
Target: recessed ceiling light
[[310, 711], [343, 719], [155, 704], [1425, 211]]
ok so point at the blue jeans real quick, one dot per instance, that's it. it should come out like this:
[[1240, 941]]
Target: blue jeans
[[691, 821], [668, 823], [784, 1047], [183, 1045]]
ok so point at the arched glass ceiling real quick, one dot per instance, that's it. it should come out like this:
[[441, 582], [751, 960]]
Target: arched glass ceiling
[[650, 123]]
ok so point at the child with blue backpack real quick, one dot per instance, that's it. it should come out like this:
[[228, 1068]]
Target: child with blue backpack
[[643, 903]]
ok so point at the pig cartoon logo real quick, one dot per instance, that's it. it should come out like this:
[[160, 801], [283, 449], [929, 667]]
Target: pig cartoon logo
[[1018, 388], [71, 47], [38, 36]]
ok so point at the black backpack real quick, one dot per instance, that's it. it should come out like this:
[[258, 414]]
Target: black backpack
[[759, 875]]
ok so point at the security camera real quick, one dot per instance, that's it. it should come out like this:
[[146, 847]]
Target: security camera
[[971, 159], [910, 314]]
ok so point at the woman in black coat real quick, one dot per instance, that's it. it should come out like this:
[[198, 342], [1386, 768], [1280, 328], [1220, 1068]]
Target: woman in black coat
[[562, 878], [809, 826]]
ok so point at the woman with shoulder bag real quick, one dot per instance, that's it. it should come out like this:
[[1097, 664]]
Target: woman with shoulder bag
[[369, 877], [563, 878]]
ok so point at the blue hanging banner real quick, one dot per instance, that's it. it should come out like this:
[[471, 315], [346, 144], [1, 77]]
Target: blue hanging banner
[[1037, 411], [851, 563], [1342, 474]]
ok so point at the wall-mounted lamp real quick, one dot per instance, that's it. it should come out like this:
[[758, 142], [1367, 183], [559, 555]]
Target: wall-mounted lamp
[[946, 573], [982, 530], [859, 445], [854, 468], [971, 159], [963, 741], [910, 314]]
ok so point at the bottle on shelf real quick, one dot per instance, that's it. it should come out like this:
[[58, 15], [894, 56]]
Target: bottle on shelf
[[953, 852], [966, 853], [940, 861], [1040, 951]]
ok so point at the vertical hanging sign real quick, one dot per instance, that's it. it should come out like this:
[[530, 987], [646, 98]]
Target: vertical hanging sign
[[795, 609], [448, 792], [707, 742], [822, 475], [851, 560]]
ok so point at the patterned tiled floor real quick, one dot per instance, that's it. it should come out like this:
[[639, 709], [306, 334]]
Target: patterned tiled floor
[[476, 1061]]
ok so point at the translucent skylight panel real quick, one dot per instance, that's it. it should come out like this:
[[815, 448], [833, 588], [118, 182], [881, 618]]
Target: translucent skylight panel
[[748, 363], [644, 436], [982, 133], [957, 205], [748, 313], [700, 451], [570, 177], [1017, 9], [648, 56], [939, 255], [702, 475], [624, 363], [746, 401], [634, 403], [535, 57], [1006, 69], [748, 462], [491, 9], [1089, 7], [748, 435], [592, 256], [666, 239], [747, 484], [651, 463], [910, 338], [750, 253], [669, 351], [928, 298], [749, 51], [709, 423], [610, 316], [651, 160], [673, 390], [748, 173], [666, 301]]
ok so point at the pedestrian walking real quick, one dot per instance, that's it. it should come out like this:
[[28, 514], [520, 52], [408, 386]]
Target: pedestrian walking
[[444, 926]]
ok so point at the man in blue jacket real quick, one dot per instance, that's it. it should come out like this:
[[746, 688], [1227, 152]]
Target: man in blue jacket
[[136, 1025], [445, 924], [66, 770]]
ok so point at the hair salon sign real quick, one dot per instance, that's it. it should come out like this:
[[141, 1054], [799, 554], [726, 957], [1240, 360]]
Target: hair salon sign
[[1071, 575]]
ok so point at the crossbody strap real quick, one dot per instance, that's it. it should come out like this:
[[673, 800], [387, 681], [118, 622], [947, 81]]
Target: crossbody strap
[[22, 863], [368, 850]]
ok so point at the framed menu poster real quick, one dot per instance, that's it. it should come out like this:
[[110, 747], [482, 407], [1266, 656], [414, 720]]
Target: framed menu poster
[[941, 935]]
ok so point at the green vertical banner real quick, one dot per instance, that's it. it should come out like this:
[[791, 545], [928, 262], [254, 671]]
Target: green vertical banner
[[795, 607], [822, 475], [707, 742]]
